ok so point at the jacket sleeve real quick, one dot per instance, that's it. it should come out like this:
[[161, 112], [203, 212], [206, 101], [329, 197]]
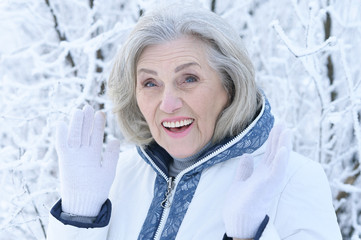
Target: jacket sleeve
[[59, 228], [304, 209]]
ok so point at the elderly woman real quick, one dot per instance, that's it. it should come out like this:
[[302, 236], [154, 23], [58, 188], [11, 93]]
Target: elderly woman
[[208, 162]]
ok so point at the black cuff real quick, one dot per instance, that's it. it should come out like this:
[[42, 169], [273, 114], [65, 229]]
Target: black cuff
[[259, 231], [101, 220], [225, 237]]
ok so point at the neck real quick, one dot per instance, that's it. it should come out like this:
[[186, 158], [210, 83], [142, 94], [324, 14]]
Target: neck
[[179, 164]]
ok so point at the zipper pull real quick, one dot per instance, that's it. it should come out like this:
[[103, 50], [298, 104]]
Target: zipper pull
[[166, 203]]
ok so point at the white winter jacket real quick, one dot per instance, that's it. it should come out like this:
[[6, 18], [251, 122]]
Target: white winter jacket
[[192, 208]]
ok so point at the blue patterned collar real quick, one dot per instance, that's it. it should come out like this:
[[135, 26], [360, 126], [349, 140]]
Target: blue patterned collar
[[249, 140]]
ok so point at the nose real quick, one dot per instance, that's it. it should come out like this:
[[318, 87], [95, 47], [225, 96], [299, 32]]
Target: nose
[[170, 102]]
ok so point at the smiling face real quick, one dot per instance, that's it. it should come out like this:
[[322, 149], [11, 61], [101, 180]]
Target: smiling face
[[179, 95]]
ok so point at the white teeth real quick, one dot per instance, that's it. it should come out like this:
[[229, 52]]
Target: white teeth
[[182, 123]]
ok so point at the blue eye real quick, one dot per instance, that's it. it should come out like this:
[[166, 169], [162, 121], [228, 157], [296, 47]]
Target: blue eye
[[149, 84], [190, 79]]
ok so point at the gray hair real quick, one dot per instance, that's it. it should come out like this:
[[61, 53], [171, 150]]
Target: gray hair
[[226, 55]]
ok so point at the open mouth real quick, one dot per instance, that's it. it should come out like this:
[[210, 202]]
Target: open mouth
[[178, 126]]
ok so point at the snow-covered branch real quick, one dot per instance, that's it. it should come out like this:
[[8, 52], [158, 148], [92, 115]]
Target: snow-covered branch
[[298, 51], [57, 54]]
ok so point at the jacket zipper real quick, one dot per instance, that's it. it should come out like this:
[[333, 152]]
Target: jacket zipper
[[172, 181], [166, 207], [166, 203], [168, 194]]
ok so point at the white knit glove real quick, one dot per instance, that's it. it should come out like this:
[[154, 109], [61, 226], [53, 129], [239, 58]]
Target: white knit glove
[[250, 196], [86, 174]]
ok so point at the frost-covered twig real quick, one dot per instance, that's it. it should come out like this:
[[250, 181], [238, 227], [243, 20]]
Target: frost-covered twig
[[42, 225], [299, 51], [353, 98], [61, 36], [346, 187], [346, 24]]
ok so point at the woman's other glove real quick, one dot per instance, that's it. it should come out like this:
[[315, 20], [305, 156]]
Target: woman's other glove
[[86, 174], [250, 196]]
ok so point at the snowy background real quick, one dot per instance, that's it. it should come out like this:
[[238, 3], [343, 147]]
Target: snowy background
[[56, 55]]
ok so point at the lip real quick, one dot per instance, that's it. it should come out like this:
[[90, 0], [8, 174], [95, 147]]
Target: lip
[[177, 134], [174, 119]]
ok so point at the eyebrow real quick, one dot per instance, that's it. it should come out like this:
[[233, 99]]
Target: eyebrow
[[183, 66], [147, 71], [177, 69]]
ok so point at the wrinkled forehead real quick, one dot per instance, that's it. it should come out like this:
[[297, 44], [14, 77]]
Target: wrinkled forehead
[[182, 50]]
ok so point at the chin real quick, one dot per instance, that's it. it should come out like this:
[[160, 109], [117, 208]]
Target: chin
[[180, 153]]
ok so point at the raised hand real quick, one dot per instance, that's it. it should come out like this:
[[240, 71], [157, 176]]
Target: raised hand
[[250, 196], [86, 172]]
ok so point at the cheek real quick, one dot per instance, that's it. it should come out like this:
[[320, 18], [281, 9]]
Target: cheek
[[142, 105], [210, 118], [211, 103], [145, 107], [212, 107]]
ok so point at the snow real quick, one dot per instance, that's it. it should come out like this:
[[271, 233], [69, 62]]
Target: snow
[[56, 55]]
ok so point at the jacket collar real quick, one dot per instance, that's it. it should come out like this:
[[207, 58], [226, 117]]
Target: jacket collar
[[249, 140]]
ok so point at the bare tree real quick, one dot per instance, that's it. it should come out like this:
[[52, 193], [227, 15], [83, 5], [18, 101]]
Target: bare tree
[[56, 56]]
